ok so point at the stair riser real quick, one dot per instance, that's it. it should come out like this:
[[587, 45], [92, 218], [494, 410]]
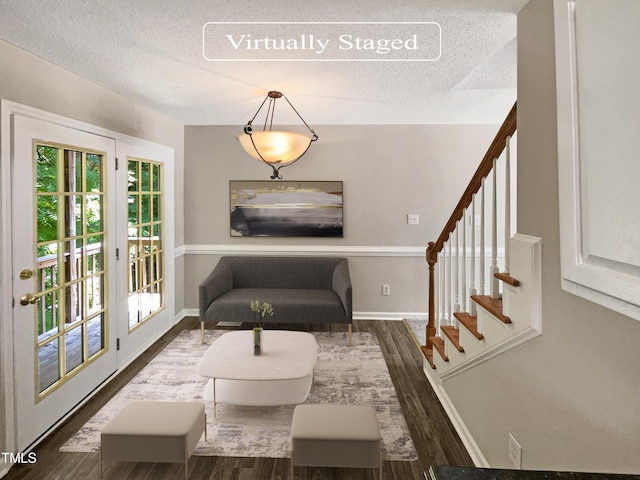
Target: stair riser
[[494, 330], [452, 352], [441, 365], [472, 346]]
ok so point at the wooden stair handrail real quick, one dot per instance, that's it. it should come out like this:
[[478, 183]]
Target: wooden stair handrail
[[496, 148]]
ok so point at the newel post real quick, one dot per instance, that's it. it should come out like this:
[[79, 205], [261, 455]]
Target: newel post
[[432, 259]]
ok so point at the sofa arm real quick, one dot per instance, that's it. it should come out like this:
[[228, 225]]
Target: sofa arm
[[219, 281], [341, 284]]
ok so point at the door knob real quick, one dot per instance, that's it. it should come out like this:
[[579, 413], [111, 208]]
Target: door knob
[[28, 298]]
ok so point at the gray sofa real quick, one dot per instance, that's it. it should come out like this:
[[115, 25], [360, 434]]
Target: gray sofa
[[300, 289]]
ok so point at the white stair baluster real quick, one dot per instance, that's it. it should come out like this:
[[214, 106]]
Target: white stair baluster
[[507, 204], [456, 272], [483, 254], [494, 284], [447, 283], [450, 283], [472, 273], [439, 300], [463, 267]]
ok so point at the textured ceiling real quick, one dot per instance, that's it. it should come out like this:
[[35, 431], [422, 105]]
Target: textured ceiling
[[151, 52]]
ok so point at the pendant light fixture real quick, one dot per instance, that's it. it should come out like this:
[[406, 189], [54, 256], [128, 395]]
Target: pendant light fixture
[[276, 148]]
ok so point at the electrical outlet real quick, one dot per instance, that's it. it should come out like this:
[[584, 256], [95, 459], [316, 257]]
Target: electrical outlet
[[515, 452], [413, 219], [386, 289]]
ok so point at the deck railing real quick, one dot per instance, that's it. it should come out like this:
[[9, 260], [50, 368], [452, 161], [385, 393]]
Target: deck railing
[[145, 269]]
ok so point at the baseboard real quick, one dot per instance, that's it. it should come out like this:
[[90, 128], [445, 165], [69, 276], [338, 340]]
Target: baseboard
[[189, 312], [186, 312], [467, 439], [396, 316]]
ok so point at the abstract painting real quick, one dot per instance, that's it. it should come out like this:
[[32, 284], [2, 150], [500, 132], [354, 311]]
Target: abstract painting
[[286, 209]]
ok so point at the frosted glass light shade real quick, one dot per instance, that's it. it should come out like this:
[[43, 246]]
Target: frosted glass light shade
[[276, 147]]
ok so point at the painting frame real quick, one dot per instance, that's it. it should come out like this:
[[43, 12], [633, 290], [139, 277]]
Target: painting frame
[[292, 208]]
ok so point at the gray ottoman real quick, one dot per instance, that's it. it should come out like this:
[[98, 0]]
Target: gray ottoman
[[335, 436], [154, 432]]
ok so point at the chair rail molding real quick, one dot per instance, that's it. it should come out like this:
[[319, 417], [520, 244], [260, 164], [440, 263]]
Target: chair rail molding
[[319, 250], [598, 141]]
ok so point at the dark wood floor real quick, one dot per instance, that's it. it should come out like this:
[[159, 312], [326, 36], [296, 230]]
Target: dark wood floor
[[433, 435]]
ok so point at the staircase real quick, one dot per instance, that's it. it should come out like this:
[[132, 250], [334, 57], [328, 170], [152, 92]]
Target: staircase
[[484, 281]]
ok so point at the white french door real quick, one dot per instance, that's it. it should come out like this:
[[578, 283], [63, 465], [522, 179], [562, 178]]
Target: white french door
[[87, 271], [145, 240], [64, 270]]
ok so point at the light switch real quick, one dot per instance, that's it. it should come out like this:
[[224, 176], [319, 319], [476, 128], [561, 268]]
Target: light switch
[[413, 219]]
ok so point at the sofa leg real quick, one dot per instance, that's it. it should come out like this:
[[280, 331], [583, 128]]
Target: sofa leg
[[202, 332], [350, 330]]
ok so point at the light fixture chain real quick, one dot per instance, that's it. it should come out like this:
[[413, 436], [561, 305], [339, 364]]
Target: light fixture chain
[[315, 137], [261, 105], [273, 110]]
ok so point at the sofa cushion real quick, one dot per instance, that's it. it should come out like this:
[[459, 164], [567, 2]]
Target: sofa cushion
[[282, 272], [289, 305]]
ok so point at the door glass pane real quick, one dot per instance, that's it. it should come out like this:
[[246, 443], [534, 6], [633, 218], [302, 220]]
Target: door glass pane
[[96, 336], [70, 270], [145, 173], [47, 218], [48, 364], [48, 315], [94, 213], [47, 174], [94, 173], [73, 345], [145, 250]]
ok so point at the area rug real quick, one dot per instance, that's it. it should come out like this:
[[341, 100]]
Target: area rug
[[355, 375], [418, 329]]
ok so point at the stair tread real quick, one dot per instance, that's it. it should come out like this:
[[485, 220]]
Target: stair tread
[[470, 322], [428, 354], [492, 305], [453, 334], [438, 344], [507, 278]]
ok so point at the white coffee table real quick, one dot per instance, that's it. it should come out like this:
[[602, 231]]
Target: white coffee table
[[282, 375]]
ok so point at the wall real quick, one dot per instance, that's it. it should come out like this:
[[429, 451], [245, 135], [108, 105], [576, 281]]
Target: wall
[[388, 172], [570, 396], [27, 79]]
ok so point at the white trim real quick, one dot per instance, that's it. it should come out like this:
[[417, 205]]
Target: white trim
[[187, 312], [468, 441], [328, 250], [605, 281], [395, 316], [320, 250], [507, 344], [601, 298], [31, 112], [6, 293]]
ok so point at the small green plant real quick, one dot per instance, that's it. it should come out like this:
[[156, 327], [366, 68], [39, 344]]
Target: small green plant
[[261, 309]]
